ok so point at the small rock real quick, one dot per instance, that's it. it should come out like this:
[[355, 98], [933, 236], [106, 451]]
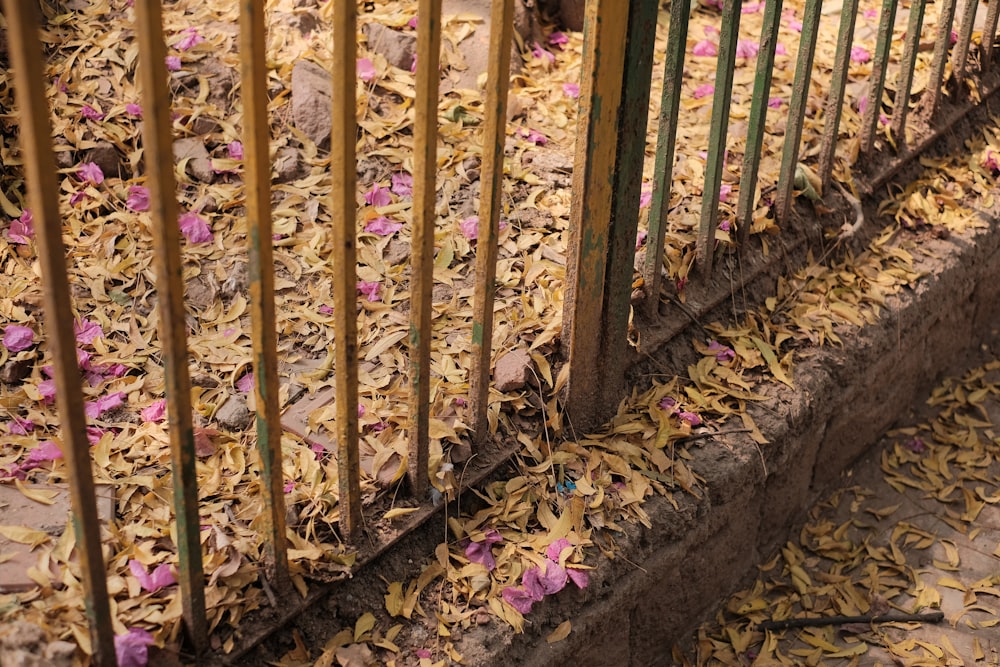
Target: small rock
[[460, 453], [106, 156], [221, 79], [397, 47], [396, 251], [204, 125], [305, 22], [199, 165], [513, 370], [65, 159], [15, 370], [234, 414], [311, 101], [287, 165]]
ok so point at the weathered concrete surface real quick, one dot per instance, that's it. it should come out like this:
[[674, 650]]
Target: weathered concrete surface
[[844, 399]]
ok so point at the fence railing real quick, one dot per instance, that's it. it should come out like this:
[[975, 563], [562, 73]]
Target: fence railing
[[619, 58]]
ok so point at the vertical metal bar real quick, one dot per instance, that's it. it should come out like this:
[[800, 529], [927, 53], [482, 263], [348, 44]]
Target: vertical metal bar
[[724, 71], [909, 63], [422, 280], [797, 107], [159, 160], [961, 55], [343, 166], [941, 44], [494, 138], [870, 119], [43, 194], [666, 142], [253, 70], [758, 114], [634, 115], [990, 33], [838, 85], [605, 28]]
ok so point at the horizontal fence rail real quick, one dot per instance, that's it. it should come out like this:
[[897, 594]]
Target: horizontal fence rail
[[621, 64]]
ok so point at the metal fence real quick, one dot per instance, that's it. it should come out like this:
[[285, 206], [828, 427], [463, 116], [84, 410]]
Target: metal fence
[[610, 152]]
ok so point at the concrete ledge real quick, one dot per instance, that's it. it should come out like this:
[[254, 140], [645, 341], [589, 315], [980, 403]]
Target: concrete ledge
[[844, 399]]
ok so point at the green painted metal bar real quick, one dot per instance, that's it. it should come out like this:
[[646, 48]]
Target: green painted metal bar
[[797, 107], [626, 189], [257, 131], [758, 114], [838, 85], [913, 28], [941, 44], [870, 118], [990, 33], [666, 141], [724, 71], [490, 206], [42, 179], [961, 55], [158, 158], [343, 166], [422, 280], [605, 27]]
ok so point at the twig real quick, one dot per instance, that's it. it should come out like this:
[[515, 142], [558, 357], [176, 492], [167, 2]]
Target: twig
[[929, 617]]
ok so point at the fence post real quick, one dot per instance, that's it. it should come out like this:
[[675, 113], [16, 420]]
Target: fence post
[[43, 194], [587, 257], [494, 138], [257, 190], [158, 159]]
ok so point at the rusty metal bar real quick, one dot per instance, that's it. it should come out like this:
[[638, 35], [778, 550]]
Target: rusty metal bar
[[913, 28], [257, 189], [343, 166], [422, 280], [666, 141], [159, 160], [605, 27], [941, 44], [961, 55], [838, 85], [797, 107], [990, 33], [490, 205], [626, 189], [758, 114], [724, 71], [870, 118], [43, 195]]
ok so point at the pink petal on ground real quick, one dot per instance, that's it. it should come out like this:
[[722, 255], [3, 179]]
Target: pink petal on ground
[[95, 409], [132, 648], [45, 451], [155, 412], [17, 338], [402, 183], [133, 109], [871, 13], [780, 50], [640, 238], [365, 69], [704, 90], [138, 198], [47, 390], [245, 383], [370, 290], [578, 577], [746, 48], [326, 310], [22, 228], [705, 48], [91, 173], [571, 90], [860, 54], [173, 63], [382, 226], [518, 599], [775, 102], [724, 191], [795, 25], [378, 196], [470, 227], [554, 550], [645, 197], [91, 113], [194, 228], [87, 331], [190, 39], [235, 149], [20, 426]]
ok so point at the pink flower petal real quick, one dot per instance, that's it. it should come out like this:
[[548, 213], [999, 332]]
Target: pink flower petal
[[558, 39], [378, 196], [775, 102], [95, 409], [402, 183], [87, 331], [578, 577], [746, 48], [133, 109], [555, 549], [795, 25], [470, 227], [23, 228], [724, 191], [245, 383], [91, 113], [366, 69], [155, 412], [519, 599], [194, 228], [382, 226], [703, 90], [705, 48], [554, 578], [91, 173], [17, 338], [190, 39], [370, 290], [640, 238], [780, 50], [534, 136], [20, 426], [235, 149], [47, 390], [571, 90], [871, 13], [326, 310], [860, 54], [132, 648], [44, 452], [138, 198], [173, 63], [645, 197]]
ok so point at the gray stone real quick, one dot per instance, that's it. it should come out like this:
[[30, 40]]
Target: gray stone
[[106, 156], [234, 414], [397, 47], [311, 100], [199, 165], [287, 165], [513, 370]]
